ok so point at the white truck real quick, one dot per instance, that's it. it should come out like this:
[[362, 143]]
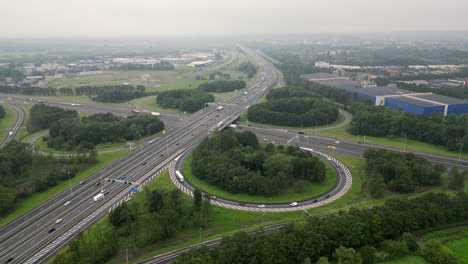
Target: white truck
[[98, 197], [232, 125], [219, 108], [155, 113], [179, 176]]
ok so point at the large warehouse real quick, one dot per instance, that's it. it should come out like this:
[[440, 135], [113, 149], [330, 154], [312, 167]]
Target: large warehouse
[[417, 103]]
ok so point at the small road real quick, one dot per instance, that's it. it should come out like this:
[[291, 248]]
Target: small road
[[13, 132]]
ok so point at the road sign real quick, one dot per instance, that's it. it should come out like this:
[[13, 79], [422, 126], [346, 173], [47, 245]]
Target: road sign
[[133, 189]]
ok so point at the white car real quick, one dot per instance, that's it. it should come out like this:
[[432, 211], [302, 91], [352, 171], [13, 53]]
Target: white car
[[293, 204], [67, 203], [58, 221], [261, 206]]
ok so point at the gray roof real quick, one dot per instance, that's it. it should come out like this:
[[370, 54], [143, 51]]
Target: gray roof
[[380, 91], [442, 99]]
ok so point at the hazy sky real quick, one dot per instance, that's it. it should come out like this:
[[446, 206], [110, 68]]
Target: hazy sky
[[227, 17]]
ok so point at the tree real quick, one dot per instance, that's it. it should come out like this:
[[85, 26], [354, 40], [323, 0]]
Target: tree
[[435, 253], [197, 199], [2, 111], [411, 243], [394, 249], [456, 179], [322, 260], [368, 254], [347, 256], [376, 185]]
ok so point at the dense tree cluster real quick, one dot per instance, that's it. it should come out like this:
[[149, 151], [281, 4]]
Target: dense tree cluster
[[190, 100], [248, 68], [359, 236], [42, 116], [236, 163], [22, 174], [86, 132], [457, 92], [117, 94], [222, 86], [28, 90], [293, 106], [162, 66], [450, 131], [401, 172], [160, 215]]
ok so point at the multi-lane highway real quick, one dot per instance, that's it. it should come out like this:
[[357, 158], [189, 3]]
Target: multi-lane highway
[[339, 146], [13, 131], [35, 236]]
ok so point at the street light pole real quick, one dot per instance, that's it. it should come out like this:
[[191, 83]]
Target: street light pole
[[126, 251], [461, 148]]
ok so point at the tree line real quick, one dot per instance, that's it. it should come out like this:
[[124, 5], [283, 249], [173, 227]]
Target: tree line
[[42, 116], [235, 162], [28, 90], [162, 66], [294, 106], [189, 100], [399, 172], [450, 132], [369, 235], [222, 86], [87, 132], [248, 68], [22, 173], [160, 215]]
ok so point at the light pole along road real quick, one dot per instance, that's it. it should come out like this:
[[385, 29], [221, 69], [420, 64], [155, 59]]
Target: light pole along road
[[34, 237]]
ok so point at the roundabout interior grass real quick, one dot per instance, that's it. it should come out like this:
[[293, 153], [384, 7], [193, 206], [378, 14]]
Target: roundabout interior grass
[[316, 190]]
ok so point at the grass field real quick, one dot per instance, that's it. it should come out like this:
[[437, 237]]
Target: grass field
[[407, 260], [8, 121], [38, 198], [152, 105], [456, 239], [119, 77], [387, 141], [288, 196], [22, 134]]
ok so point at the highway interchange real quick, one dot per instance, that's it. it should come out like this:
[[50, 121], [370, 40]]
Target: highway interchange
[[34, 237]]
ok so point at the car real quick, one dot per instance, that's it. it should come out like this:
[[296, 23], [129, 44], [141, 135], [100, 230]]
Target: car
[[123, 177], [144, 163], [9, 260], [293, 204], [51, 230], [97, 183], [315, 201], [66, 203], [328, 196], [302, 133], [106, 193], [81, 182], [261, 206], [214, 197], [58, 221], [464, 163], [241, 203], [337, 142], [359, 142], [40, 101]]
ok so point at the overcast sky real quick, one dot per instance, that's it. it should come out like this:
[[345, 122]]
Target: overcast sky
[[227, 17]]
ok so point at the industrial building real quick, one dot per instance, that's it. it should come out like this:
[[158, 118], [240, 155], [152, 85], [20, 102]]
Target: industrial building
[[408, 101]]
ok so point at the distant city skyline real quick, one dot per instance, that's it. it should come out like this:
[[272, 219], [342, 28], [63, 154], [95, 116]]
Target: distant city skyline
[[227, 17]]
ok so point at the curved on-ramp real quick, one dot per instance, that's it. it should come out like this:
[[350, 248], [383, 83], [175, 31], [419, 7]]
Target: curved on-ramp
[[343, 185]]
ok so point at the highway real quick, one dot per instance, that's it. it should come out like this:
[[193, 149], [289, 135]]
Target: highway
[[34, 237], [340, 146], [13, 132]]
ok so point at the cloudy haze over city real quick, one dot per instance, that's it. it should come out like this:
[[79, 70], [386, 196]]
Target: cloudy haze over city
[[227, 17]]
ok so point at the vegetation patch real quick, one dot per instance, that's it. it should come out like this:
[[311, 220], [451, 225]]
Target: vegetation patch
[[184, 100], [294, 106], [235, 162]]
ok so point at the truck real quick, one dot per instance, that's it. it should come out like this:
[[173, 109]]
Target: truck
[[232, 126], [155, 113], [136, 111], [179, 175], [98, 197], [219, 108], [10, 98]]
